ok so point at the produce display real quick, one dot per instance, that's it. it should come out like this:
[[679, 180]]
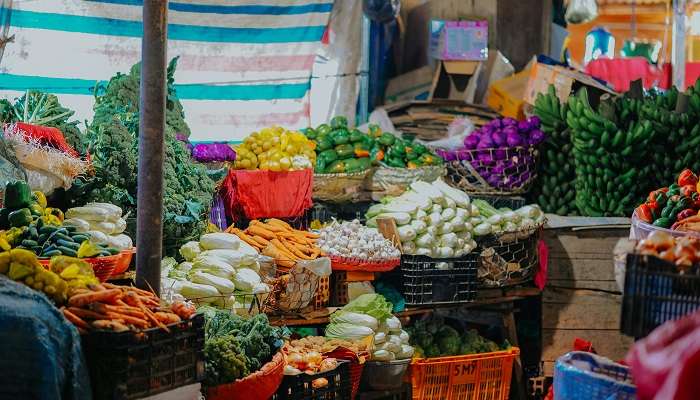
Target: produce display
[[220, 270], [341, 149], [307, 355], [434, 338], [610, 145], [112, 138], [432, 219], [275, 149], [116, 308], [676, 206], [555, 191], [682, 251], [235, 347], [353, 240], [489, 220], [103, 223], [63, 275], [501, 152], [370, 315], [277, 239]]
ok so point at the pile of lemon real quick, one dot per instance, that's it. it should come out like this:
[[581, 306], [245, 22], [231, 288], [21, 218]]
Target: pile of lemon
[[276, 149]]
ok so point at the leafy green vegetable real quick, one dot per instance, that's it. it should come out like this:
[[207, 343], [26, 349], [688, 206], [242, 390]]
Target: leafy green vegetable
[[112, 138], [372, 304]]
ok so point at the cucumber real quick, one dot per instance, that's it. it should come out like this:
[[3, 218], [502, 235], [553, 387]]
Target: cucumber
[[104, 253], [51, 253], [42, 238], [69, 244], [48, 229], [68, 251], [29, 243], [71, 228], [33, 233], [79, 238], [112, 251], [62, 236], [36, 249]]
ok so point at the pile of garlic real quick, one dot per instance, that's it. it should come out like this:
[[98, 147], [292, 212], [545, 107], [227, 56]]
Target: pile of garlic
[[353, 240]]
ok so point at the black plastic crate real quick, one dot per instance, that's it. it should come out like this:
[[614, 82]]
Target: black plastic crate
[[130, 365], [655, 292], [426, 280], [299, 387]]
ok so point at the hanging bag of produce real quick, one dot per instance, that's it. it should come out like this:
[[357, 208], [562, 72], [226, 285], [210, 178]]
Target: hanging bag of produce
[[262, 194]]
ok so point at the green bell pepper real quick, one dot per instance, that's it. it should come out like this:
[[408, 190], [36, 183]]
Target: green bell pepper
[[19, 218], [323, 129], [310, 133], [419, 148], [339, 121], [399, 147], [352, 165], [340, 136], [328, 156], [337, 167], [345, 151], [324, 143], [364, 163], [356, 135], [320, 165], [395, 162], [387, 139], [18, 194]]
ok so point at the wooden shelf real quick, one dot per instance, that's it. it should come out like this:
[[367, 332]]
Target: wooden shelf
[[486, 297]]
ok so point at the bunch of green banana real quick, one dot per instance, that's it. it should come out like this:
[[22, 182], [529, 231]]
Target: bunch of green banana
[[555, 191], [677, 136], [611, 147]]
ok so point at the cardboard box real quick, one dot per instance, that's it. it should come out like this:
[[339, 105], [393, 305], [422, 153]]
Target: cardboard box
[[459, 40], [413, 85], [506, 95], [453, 80], [564, 80]]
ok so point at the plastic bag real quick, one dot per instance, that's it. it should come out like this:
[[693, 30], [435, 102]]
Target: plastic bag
[[666, 364], [581, 11]]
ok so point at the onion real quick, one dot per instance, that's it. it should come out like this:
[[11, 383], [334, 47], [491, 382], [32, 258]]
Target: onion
[[314, 357], [661, 241]]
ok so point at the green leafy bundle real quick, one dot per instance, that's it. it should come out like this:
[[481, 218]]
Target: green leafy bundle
[[112, 138]]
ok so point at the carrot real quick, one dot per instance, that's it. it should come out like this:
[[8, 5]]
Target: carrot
[[282, 249], [315, 252], [80, 300], [261, 241], [248, 239], [304, 249], [285, 263], [167, 317], [83, 313], [280, 223], [260, 231], [75, 320], [110, 325], [141, 323], [272, 228], [310, 235], [133, 300], [128, 310], [142, 292], [294, 250]]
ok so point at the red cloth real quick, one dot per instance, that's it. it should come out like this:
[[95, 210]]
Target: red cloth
[[267, 194], [666, 364], [541, 275], [692, 73], [619, 72]]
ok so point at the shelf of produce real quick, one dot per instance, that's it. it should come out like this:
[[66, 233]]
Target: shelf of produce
[[486, 297]]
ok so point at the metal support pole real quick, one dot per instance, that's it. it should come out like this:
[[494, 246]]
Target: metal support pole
[[678, 44], [149, 216], [363, 112]]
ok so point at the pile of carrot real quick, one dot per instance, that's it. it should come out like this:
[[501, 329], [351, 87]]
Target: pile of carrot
[[277, 239], [120, 308]]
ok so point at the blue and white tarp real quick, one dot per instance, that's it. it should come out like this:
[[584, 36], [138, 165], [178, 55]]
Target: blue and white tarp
[[244, 64]]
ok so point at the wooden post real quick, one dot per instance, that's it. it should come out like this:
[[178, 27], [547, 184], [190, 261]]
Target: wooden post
[[149, 204]]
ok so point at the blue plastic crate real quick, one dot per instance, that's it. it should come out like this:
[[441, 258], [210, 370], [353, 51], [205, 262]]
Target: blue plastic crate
[[585, 376]]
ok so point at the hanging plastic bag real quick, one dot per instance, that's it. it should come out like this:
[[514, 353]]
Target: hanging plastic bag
[[581, 11], [666, 364]]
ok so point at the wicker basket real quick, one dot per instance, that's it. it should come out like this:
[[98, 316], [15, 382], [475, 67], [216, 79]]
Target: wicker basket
[[394, 181], [509, 259], [102, 266], [339, 188], [475, 172], [295, 289]]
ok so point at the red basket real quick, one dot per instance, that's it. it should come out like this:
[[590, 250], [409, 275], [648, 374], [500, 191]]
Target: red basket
[[356, 365], [339, 263], [124, 261], [260, 385], [102, 266]]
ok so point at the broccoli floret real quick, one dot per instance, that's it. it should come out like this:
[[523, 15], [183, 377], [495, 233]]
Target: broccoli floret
[[224, 360], [432, 351], [449, 345]]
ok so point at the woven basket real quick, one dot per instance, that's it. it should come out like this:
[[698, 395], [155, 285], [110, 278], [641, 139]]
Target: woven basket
[[102, 266], [339, 188], [394, 181], [124, 261], [509, 259], [476, 172]]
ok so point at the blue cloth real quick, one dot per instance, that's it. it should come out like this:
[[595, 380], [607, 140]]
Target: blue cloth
[[41, 352]]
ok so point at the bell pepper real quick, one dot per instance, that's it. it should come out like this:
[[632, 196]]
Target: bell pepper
[[644, 213], [4, 222], [411, 165], [429, 159], [320, 165], [673, 190], [328, 156], [687, 177], [344, 151], [310, 133], [324, 143], [356, 135], [40, 198], [339, 121], [658, 196], [56, 212], [337, 167], [364, 163], [376, 154], [374, 130], [688, 212], [17, 195], [395, 162], [398, 148], [359, 153], [340, 136], [688, 190], [323, 130], [387, 139], [352, 165], [663, 222], [21, 217], [36, 209], [419, 148]]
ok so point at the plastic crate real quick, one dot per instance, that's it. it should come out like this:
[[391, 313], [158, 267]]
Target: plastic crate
[[655, 293], [131, 365], [426, 280], [585, 376], [299, 387], [476, 376]]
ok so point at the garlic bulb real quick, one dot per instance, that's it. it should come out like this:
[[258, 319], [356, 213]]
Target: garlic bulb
[[353, 240]]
